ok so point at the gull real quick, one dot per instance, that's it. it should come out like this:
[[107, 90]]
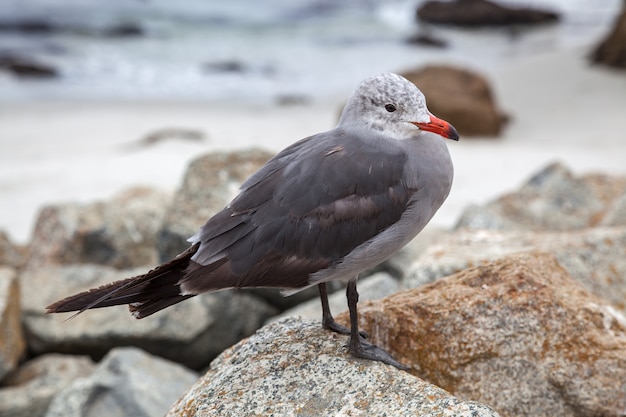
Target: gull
[[326, 208]]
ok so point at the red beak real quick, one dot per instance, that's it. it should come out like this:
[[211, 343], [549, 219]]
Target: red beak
[[440, 127]]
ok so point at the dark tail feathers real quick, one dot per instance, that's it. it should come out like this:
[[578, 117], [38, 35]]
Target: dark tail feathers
[[145, 294]]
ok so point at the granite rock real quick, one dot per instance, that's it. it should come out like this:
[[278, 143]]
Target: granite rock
[[28, 391], [12, 341], [10, 254], [127, 382], [518, 334], [616, 213], [120, 232], [295, 368], [553, 199], [595, 257]]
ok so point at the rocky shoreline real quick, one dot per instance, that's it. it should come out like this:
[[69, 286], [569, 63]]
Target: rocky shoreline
[[520, 308]]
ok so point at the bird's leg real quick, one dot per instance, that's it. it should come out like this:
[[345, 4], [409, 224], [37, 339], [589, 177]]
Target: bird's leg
[[359, 347], [328, 321]]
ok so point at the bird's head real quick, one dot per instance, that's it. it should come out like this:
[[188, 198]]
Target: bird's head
[[394, 106]]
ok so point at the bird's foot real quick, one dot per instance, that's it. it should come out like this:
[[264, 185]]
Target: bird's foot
[[332, 325], [366, 350]]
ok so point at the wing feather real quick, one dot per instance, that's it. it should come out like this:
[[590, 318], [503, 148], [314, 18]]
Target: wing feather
[[305, 210]]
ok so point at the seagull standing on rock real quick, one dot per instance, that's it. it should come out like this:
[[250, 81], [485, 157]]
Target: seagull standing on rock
[[326, 208]]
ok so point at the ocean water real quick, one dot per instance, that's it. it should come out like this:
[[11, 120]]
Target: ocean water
[[259, 51]]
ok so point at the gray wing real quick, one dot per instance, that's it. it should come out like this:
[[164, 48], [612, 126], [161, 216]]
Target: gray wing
[[303, 211]]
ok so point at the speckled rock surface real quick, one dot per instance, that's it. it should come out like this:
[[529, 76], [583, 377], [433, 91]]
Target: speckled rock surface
[[295, 368], [128, 382], [28, 391], [192, 332], [120, 232], [595, 257], [518, 334], [12, 342], [552, 199], [11, 254]]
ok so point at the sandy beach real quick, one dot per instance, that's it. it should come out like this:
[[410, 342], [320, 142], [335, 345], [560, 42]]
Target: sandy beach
[[562, 109]]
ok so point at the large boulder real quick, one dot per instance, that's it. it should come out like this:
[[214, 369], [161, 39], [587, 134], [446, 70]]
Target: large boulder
[[119, 233], [29, 390], [596, 258], [128, 382], [478, 13], [518, 334], [294, 367], [612, 49], [192, 332], [12, 341], [10, 254], [553, 199], [26, 67], [460, 96]]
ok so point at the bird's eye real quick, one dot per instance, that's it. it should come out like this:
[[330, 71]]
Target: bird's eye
[[390, 108]]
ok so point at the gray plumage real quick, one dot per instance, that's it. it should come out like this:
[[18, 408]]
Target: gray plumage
[[325, 208]]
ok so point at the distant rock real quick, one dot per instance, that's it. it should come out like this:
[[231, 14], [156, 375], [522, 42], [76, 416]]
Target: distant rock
[[36, 26], [11, 254], [424, 39], [171, 133], [33, 26], [210, 182], [12, 341], [26, 67], [553, 199], [615, 215], [120, 232], [234, 66], [518, 334], [29, 390], [123, 30], [292, 99], [612, 49], [128, 382], [461, 97], [476, 13], [595, 257], [226, 66], [192, 332], [295, 367]]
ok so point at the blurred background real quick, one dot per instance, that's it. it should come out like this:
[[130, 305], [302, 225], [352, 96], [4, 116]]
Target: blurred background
[[255, 51], [92, 92]]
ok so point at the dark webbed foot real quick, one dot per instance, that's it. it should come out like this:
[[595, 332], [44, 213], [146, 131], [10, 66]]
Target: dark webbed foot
[[328, 322], [333, 326], [359, 347], [366, 350]]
